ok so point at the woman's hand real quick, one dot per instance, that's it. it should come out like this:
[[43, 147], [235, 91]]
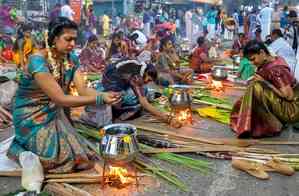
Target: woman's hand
[[187, 77], [111, 97], [257, 77]]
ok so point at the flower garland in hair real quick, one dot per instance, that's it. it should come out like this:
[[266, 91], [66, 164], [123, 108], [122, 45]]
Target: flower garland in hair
[[55, 68]]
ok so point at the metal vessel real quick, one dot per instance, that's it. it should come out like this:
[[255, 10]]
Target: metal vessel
[[219, 73], [119, 143], [180, 97]]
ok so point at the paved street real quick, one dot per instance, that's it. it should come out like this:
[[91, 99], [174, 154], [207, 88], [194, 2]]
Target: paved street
[[223, 181]]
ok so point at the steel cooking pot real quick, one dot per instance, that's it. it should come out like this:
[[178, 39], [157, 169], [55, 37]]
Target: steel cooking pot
[[219, 73], [119, 143], [180, 97]]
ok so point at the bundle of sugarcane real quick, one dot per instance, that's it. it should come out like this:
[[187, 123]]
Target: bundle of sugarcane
[[146, 165], [199, 165]]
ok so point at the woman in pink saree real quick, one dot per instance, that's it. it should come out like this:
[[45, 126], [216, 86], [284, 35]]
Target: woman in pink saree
[[272, 98]]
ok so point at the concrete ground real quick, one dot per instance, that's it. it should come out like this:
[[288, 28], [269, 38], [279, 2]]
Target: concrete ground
[[222, 181]]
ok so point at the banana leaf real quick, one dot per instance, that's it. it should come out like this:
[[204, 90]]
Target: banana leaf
[[220, 115], [205, 97]]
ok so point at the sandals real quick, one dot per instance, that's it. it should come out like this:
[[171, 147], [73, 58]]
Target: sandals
[[259, 170], [280, 167], [253, 168]]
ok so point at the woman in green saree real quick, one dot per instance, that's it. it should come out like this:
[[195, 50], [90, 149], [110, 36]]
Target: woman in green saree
[[272, 98], [41, 124]]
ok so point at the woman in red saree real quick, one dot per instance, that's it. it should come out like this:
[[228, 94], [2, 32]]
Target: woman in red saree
[[91, 58], [272, 98], [199, 60]]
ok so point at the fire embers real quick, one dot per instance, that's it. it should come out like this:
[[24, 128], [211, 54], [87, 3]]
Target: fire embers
[[180, 103], [217, 85], [183, 115], [119, 177]]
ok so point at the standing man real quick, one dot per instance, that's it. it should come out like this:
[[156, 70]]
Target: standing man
[[236, 19], [252, 20], [292, 30], [265, 20], [211, 19], [282, 48], [284, 17], [67, 11], [147, 22], [188, 22], [292, 36]]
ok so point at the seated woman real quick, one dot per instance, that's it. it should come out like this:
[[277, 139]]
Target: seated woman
[[271, 100], [239, 43], [40, 121], [199, 60], [168, 65], [91, 59], [129, 77], [118, 49], [24, 46]]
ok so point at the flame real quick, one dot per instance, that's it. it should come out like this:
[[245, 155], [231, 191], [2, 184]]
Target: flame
[[217, 85], [119, 173], [185, 115]]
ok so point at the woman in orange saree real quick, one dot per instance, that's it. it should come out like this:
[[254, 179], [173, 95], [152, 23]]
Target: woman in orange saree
[[272, 98]]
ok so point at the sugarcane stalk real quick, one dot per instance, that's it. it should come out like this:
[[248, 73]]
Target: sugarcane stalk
[[75, 180], [72, 175]]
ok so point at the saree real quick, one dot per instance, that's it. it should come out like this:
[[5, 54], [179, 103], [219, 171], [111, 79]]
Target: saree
[[28, 49], [42, 127], [129, 83], [261, 112], [91, 60], [197, 63]]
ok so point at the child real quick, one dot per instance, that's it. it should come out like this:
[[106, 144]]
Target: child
[[246, 69]]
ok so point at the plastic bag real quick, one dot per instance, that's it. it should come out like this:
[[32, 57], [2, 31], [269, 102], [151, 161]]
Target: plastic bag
[[7, 164], [32, 171], [7, 92]]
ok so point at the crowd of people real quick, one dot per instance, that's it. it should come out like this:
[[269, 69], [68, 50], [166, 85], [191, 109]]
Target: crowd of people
[[131, 52]]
